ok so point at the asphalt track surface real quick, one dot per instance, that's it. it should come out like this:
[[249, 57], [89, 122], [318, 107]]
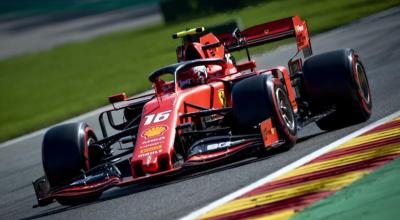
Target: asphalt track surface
[[376, 39]]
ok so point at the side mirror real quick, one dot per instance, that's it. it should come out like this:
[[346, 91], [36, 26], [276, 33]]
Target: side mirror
[[117, 98], [236, 34]]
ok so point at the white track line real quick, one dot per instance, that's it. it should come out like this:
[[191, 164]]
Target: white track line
[[287, 168]]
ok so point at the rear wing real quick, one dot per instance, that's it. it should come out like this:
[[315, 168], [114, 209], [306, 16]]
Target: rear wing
[[269, 32]]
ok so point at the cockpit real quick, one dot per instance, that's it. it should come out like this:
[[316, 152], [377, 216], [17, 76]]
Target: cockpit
[[183, 75]]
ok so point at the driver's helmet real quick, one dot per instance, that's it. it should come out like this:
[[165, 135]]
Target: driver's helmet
[[197, 76]]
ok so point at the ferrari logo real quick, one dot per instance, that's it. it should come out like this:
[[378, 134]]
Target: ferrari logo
[[222, 98]]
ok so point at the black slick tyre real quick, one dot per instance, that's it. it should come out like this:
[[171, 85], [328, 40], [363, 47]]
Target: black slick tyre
[[258, 98], [65, 156], [338, 80]]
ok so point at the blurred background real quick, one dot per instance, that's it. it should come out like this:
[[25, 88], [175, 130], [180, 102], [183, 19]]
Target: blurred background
[[61, 58], [34, 25]]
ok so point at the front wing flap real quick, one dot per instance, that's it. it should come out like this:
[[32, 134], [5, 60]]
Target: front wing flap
[[96, 180]]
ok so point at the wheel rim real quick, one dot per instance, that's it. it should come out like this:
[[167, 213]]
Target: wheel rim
[[362, 83], [90, 141], [88, 160], [285, 108]]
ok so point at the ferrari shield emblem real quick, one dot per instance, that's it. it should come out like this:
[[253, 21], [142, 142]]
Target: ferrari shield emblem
[[222, 98]]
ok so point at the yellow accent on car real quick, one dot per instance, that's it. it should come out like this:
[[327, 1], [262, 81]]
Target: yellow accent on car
[[185, 33], [222, 98]]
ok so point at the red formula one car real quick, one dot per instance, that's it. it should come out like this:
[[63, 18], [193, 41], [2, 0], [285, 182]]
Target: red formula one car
[[204, 109]]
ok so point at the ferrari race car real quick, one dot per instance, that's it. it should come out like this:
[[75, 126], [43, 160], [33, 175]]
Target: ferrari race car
[[204, 109]]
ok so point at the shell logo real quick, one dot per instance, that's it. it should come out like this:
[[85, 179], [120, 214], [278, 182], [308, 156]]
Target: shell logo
[[154, 131]]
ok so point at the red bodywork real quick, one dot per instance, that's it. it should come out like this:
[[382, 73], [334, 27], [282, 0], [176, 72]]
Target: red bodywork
[[162, 115]]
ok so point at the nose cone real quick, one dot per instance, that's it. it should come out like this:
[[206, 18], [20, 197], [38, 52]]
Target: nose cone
[[150, 164]]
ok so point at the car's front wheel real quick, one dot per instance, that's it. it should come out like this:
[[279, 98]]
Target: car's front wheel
[[65, 155], [258, 98]]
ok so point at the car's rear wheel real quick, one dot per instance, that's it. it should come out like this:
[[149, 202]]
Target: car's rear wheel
[[338, 79], [65, 154], [258, 98]]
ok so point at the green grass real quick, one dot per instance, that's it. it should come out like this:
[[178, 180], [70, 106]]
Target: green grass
[[40, 89]]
